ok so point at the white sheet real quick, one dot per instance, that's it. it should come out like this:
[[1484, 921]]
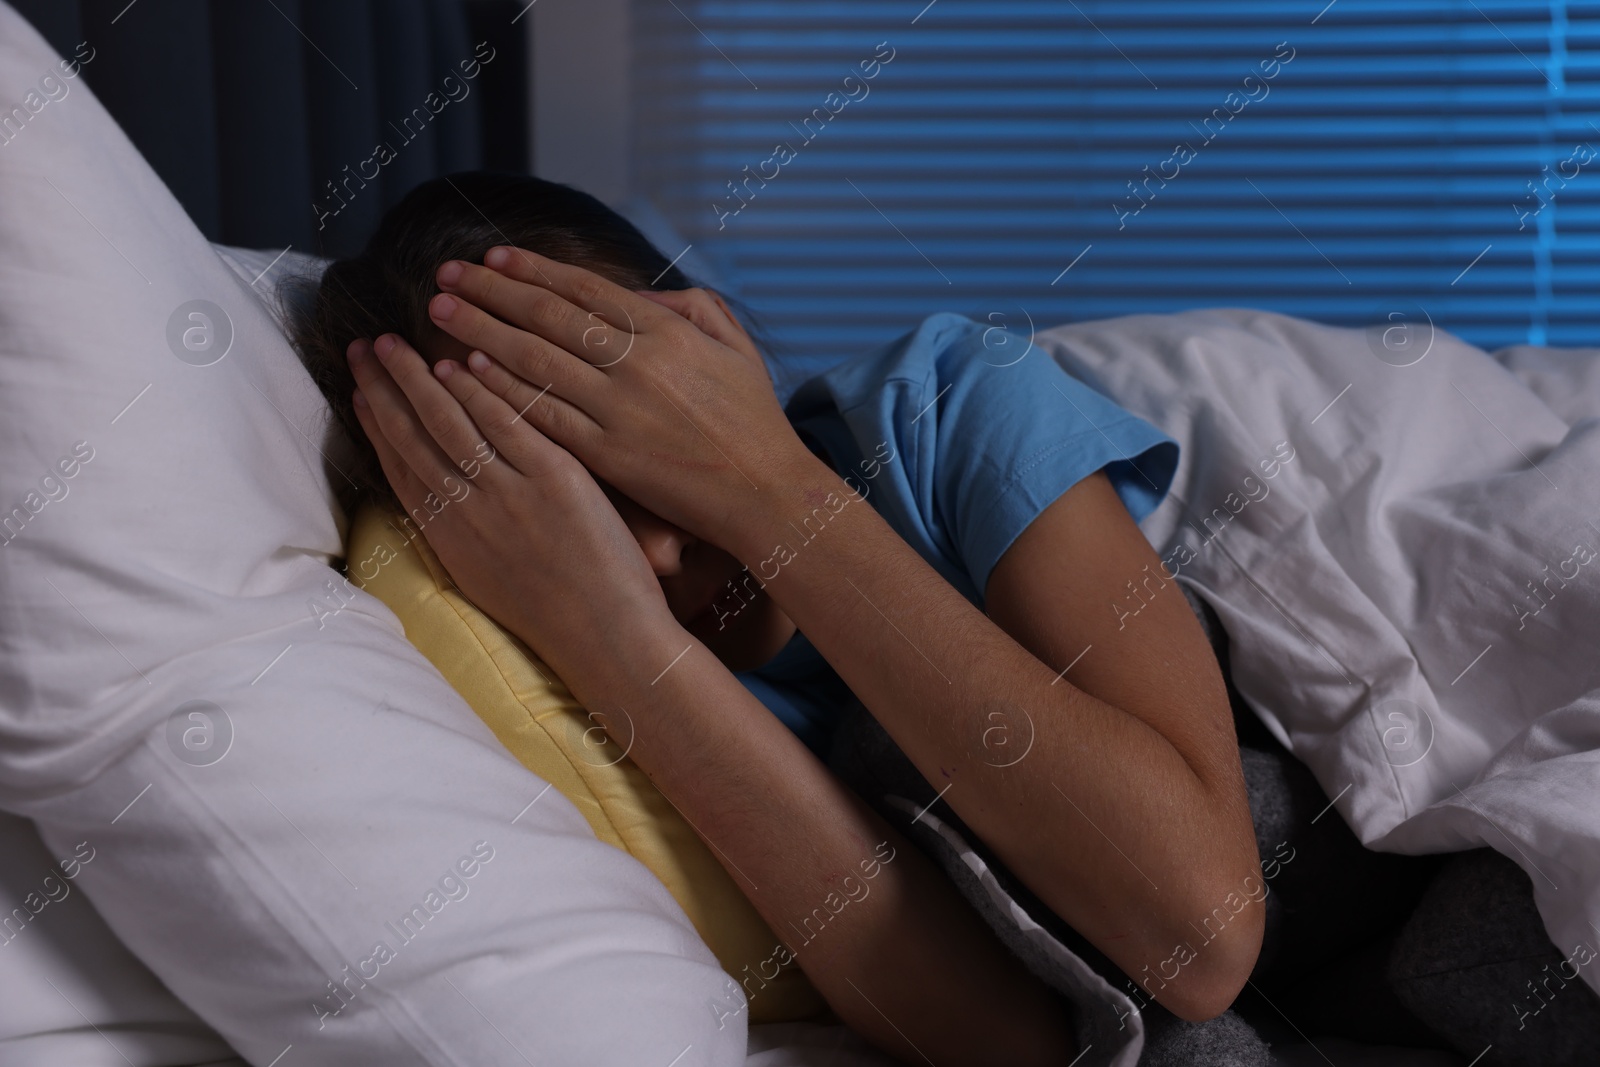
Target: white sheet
[[1413, 595]]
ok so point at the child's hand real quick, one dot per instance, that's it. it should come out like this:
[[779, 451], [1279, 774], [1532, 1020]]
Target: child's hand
[[521, 526], [663, 397]]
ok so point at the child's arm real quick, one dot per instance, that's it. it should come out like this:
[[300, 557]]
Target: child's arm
[[1129, 818], [530, 537], [877, 928]]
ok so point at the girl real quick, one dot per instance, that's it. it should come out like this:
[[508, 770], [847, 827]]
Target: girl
[[940, 529]]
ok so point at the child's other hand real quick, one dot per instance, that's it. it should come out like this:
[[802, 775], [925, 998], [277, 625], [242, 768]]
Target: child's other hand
[[522, 527], [664, 397]]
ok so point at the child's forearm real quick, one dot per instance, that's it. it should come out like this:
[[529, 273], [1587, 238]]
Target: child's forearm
[[1128, 820], [901, 957]]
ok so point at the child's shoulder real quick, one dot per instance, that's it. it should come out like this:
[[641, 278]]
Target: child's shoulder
[[940, 348]]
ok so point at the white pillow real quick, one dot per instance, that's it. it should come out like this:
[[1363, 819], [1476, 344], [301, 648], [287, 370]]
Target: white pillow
[[73, 993], [267, 799]]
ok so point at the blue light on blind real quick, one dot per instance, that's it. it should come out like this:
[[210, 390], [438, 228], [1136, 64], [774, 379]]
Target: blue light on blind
[[1059, 161]]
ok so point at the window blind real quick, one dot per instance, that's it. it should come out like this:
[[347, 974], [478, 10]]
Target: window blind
[[1047, 161]]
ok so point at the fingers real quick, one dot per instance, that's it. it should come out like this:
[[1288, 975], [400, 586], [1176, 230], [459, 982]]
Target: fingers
[[427, 443], [510, 431], [578, 309], [528, 305], [516, 323], [581, 288], [407, 486], [539, 406], [419, 500], [439, 413]]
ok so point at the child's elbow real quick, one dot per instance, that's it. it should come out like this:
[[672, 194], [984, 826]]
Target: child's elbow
[[1219, 969]]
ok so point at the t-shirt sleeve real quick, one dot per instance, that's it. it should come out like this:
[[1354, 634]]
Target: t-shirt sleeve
[[985, 440]]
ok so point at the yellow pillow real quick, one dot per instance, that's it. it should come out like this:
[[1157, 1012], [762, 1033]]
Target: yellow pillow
[[537, 719]]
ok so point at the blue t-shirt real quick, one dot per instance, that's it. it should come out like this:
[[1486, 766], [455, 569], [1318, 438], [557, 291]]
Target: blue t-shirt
[[959, 434]]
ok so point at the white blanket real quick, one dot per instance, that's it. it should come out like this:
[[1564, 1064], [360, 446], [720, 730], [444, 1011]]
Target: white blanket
[[1401, 534]]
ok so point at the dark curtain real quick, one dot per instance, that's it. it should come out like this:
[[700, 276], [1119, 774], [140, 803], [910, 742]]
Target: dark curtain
[[298, 122]]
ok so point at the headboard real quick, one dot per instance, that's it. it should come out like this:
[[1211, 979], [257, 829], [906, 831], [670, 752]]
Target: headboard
[[283, 123]]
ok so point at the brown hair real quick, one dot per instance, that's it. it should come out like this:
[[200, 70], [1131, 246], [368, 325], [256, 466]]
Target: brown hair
[[386, 289]]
